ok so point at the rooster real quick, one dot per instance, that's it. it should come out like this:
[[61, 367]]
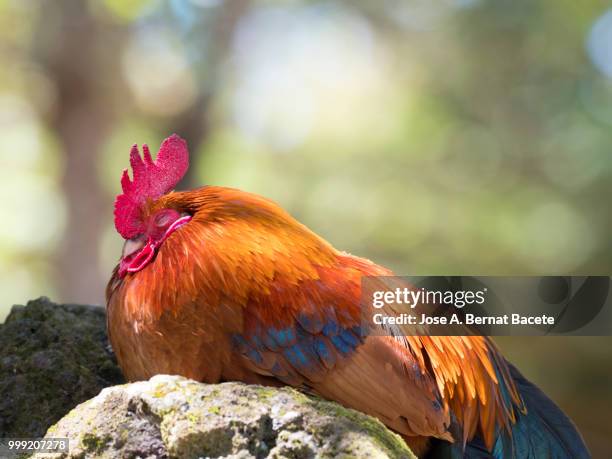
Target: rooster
[[216, 284]]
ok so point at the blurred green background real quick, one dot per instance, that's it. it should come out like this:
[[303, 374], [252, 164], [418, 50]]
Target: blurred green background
[[447, 137]]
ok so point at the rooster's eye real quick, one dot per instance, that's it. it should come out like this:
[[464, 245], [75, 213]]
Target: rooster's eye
[[164, 219]]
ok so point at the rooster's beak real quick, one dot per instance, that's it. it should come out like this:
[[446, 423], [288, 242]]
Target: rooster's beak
[[133, 245]]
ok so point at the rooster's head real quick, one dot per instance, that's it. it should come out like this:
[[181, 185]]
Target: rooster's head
[[142, 224]]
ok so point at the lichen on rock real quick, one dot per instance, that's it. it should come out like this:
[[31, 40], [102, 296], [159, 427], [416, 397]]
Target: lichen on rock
[[174, 417]]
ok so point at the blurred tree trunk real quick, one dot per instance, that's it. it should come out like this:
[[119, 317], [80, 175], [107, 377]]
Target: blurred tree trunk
[[79, 53]]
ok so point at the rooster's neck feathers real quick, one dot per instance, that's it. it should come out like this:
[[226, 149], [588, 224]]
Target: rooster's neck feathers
[[236, 243]]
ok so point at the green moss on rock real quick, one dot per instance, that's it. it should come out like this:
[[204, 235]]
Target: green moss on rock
[[52, 357], [94, 444]]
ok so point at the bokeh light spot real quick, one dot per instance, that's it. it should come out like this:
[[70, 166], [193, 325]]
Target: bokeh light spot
[[599, 43], [158, 73]]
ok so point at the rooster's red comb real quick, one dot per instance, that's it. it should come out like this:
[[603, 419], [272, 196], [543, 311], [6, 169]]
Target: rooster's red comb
[[152, 179]]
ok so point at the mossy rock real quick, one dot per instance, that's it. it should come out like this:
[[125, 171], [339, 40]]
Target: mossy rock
[[52, 357], [174, 417]]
